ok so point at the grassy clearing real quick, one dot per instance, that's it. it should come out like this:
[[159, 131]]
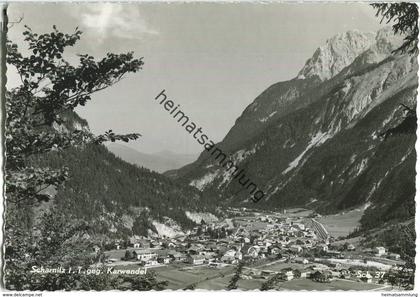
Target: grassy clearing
[[177, 279], [215, 284], [341, 224], [279, 266], [180, 278]]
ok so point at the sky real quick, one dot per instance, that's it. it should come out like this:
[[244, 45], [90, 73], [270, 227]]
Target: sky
[[213, 59]]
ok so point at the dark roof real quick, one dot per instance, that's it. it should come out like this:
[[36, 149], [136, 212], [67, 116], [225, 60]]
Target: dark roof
[[141, 252], [197, 257]]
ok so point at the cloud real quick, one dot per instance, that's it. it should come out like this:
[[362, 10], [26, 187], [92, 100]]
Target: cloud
[[114, 20]]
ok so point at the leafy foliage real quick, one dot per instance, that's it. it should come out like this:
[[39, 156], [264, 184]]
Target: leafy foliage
[[56, 242], [405, 17], [233, 283], [39, 122], [400, 239], [51, 86], [62, 241], [270, 284]]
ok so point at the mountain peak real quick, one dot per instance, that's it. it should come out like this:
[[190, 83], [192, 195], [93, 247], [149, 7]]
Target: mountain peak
[[387, 40], [337, 53]]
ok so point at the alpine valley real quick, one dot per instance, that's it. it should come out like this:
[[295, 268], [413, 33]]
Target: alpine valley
[[323, 192], [333, 139], [339, 136]]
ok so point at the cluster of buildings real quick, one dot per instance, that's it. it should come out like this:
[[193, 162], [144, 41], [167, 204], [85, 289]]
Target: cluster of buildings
[[253, 238], [257, 239]]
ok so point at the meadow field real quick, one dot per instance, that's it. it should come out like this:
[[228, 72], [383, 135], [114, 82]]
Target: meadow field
[[341, 224], [181, 277]]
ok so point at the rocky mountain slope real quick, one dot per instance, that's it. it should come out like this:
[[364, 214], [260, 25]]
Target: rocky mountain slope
[[320, 140]]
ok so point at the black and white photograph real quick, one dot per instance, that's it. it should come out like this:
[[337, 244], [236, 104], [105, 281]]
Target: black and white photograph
[[209, 146]]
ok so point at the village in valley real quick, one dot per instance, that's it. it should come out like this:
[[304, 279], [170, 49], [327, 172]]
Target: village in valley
[[292, 246]]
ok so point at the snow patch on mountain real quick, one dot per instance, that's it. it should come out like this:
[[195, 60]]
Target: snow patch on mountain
[[269, 116], [366, 206], [227, 177], [316, 140], [241, 155], [205, 180], [362, 166]]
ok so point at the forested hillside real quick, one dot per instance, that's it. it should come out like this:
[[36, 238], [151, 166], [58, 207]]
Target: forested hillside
[[117, 197]]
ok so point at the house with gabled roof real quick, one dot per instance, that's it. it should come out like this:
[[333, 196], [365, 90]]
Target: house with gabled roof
[[196, 259], [144, 255]]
